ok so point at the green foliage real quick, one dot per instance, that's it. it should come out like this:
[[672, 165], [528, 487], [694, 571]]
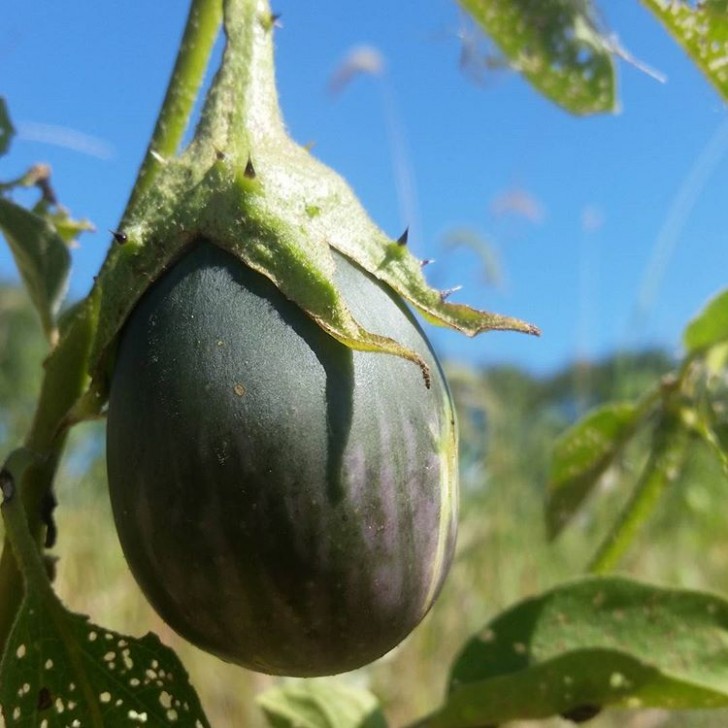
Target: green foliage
[[321, 705], [582, 455], [595, 642], [682, 404], [556, 45], [702, 30], [710, 327], [41, 256]]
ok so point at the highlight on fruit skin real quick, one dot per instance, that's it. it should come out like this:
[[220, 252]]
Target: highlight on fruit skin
[[283, 501]]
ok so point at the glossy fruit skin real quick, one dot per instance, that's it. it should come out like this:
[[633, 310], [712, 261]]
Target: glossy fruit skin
[[284, 502]]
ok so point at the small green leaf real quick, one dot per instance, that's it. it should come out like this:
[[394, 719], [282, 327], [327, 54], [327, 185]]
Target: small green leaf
[[582, 455], [61, 670], [41, 256], [556, 45], [592, 643], [6, 127], [321, 705], [68, 228], [709, 327], [702, 30]]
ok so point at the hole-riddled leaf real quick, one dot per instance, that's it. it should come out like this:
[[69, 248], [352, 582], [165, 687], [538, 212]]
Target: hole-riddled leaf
[[582, 455], [6, 127], [556, 45], [321, 705], [702, 30], [60, 670], [710, 326], [590, 644], [41, 256]]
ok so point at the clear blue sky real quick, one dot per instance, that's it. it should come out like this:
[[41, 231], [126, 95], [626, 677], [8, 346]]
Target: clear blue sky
[[605, 193]]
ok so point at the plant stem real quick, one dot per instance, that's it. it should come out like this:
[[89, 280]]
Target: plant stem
[[64, 381], [203, 24], [242, 105], [663, 465], [65, 377]]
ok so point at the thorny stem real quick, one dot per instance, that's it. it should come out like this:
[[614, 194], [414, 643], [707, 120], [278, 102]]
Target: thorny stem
[[65, 377]]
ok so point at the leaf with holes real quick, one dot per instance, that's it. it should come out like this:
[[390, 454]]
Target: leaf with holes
[[6, 127], [709, 327], [589, 644], [60, 671], [702, 30], [582, 455], [556, 45], [321, 705], [41, 256]]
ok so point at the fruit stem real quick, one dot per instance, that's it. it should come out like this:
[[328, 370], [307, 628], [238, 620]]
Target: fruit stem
[[201, 31], [242, 106]]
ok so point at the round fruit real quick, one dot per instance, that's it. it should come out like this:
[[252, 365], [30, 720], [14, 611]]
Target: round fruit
[[284, 502]]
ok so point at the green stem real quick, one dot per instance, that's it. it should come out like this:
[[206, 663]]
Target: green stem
[[203, 24], [664, 464], [242, 105], [65, 376], [64, 381]]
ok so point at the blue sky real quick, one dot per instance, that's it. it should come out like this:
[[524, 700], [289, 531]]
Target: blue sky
[[422, 145]]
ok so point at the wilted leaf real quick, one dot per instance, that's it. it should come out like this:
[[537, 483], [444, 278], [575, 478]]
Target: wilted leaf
[[41, 256], [556, 45], [6, 127], [590, 644], [710, 326], [702, 30], [321, 705], [60, 670], [581, 456]]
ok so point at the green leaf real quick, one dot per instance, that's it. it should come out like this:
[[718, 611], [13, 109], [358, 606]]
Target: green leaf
[[67, 227], [589, 644], [556, 45], [702, 30], [41, 256], [60, 670], [321, 705], [582, 455], [6, 127], [709, 327]]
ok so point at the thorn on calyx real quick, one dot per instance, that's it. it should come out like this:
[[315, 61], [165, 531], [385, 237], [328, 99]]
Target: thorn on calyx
[[274, 18], [402, 239], [249, 169], [444, 295], [119, 237], [7, 485], [219, 155], [426, 261]]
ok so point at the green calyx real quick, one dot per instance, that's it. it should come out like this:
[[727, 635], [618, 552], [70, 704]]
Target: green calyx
[[244, 184]]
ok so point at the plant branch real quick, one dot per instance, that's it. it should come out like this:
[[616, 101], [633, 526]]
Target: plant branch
[[64, 381], [203, 23], [663, 465]]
